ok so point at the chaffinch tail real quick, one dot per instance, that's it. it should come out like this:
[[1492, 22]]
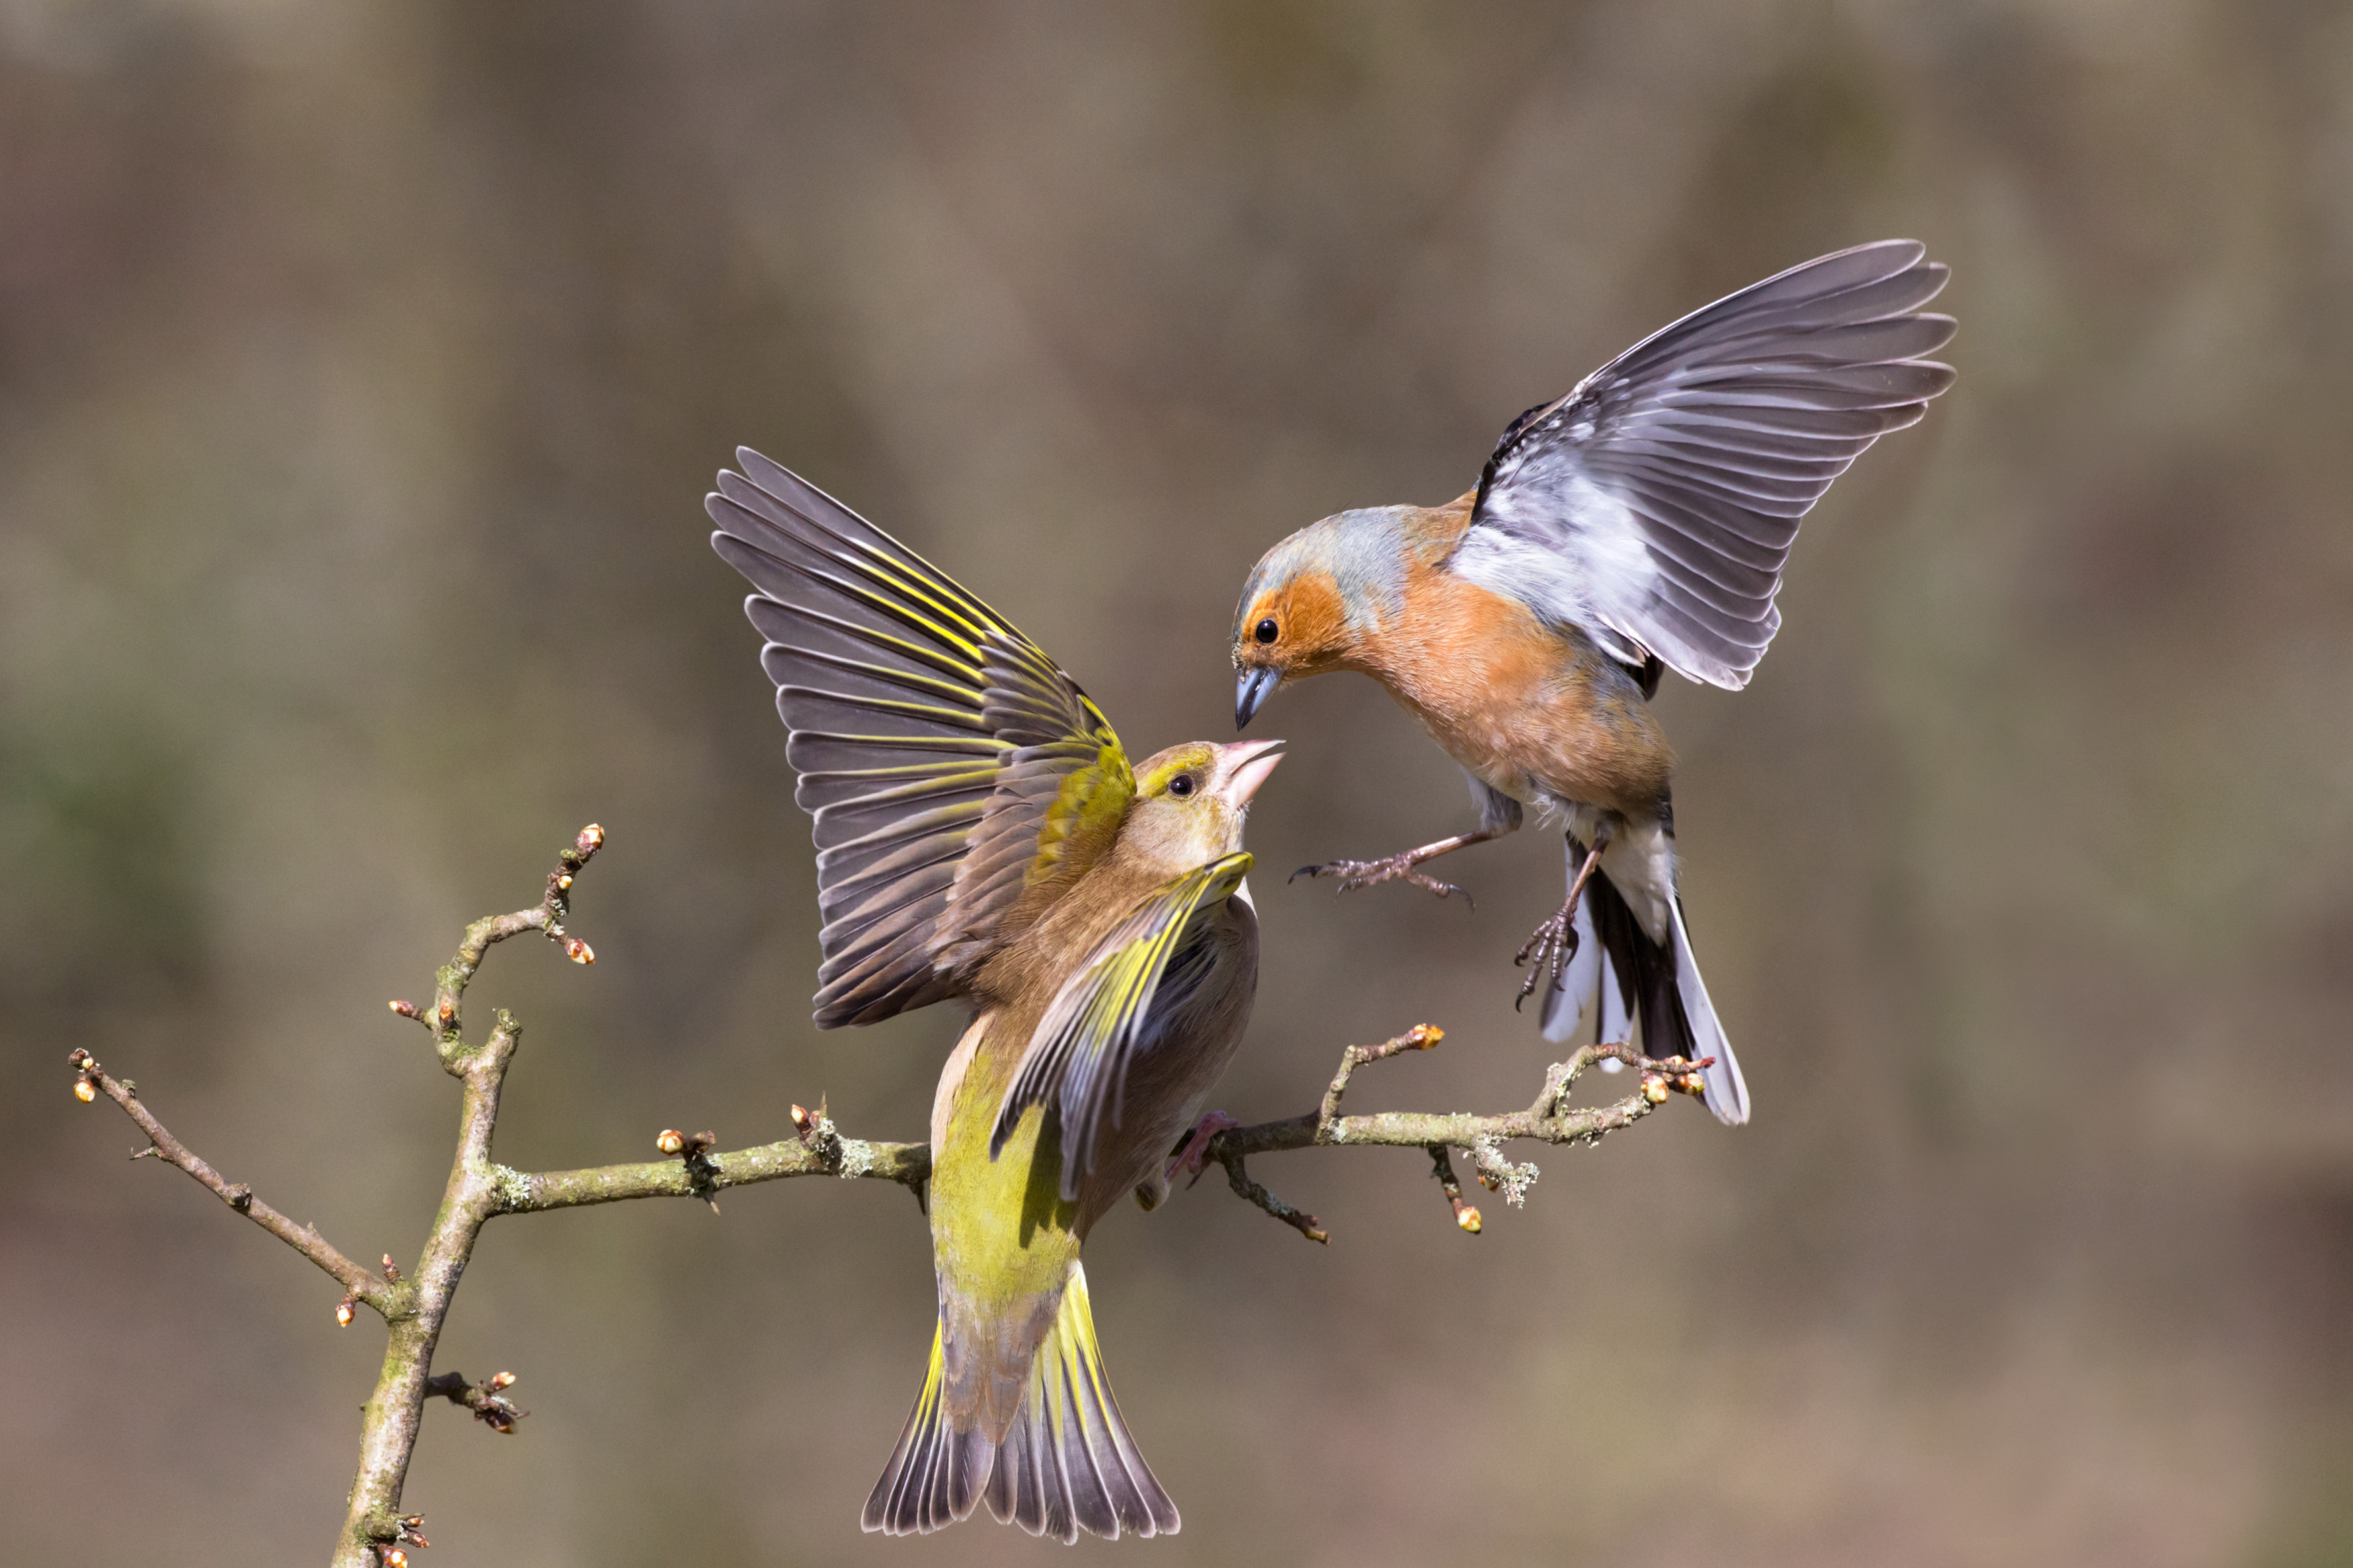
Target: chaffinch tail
[[981, 835], [1639, 523]]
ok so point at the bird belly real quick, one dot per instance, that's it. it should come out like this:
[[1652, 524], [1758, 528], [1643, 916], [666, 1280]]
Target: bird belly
[[1003, 1242], [1534, 711]]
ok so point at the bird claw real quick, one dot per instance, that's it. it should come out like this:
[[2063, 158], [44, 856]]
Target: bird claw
[[1553, 944], [1356, 874], [1192, 1156]]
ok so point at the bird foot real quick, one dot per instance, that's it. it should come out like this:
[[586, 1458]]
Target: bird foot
[[1192, 1154], [1356, 874], [1550, 949]]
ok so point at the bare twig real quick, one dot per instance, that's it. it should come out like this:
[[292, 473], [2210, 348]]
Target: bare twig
[[1239, 1178], [415, 1304], [1420, 1038], [93, 1081], [1442, 1167], [488, 1402], [1550, 1120]]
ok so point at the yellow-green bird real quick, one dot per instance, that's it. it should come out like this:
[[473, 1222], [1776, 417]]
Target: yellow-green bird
[[981, 835]]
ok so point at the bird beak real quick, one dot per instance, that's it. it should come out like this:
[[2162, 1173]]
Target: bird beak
[[1248, 762], [1258, 684]]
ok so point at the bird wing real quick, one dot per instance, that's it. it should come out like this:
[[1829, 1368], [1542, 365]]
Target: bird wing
[[1077, 1060], [1655, 504], [951, 766]]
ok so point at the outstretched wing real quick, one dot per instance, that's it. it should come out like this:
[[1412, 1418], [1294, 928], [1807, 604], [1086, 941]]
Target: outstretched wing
[[1078, 1058], [952, 767], [1655, 504]]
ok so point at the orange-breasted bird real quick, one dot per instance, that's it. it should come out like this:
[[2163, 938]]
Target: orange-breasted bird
[[1640, 522], [981, 836]]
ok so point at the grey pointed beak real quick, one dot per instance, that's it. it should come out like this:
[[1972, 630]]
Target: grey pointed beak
[[1257, 684]]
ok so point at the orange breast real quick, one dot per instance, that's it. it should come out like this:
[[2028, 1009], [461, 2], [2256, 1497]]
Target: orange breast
[[1531, 710]]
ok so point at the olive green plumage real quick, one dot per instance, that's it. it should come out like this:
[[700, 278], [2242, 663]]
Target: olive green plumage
[[982, 835]]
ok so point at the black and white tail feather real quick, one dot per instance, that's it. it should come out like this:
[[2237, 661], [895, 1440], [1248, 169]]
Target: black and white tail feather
[[1618, 976]]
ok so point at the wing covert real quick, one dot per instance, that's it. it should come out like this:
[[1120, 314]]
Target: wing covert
[[950, 765], [1077, 1061], [1655, 505]]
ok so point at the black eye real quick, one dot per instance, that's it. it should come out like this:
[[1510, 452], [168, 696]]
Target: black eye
[[1181, 785], [1268, 631]]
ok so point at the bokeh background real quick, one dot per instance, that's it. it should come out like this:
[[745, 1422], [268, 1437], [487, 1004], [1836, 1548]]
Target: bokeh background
[[362, 369]]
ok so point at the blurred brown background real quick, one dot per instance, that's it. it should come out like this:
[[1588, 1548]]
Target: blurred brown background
[[362, 369]]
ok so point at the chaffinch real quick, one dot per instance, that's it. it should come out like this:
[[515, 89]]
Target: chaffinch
[[982, 836], [1639, 523]]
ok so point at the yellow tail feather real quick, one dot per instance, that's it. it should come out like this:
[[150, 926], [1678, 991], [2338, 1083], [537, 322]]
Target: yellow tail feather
[[1064, 1463]]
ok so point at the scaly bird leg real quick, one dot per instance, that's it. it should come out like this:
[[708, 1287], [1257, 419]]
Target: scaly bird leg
[[1400, 868], [1192, 1154], [1555, 942]]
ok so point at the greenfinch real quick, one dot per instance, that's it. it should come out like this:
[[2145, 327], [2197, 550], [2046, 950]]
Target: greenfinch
[[981, 836], [1639, 523]]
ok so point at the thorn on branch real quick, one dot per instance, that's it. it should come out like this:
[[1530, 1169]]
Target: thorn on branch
[[488, 1402], [1465, 1215]]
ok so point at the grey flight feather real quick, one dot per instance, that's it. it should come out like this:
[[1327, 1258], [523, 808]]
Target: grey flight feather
[[932, 740], [1654, 506]]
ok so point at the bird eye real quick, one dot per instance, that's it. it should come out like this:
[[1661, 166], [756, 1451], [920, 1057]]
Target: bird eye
[[1268, 631], [1181, 785]]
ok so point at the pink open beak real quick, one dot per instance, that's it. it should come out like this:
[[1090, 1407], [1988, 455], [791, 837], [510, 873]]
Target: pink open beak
[[1251, 761]]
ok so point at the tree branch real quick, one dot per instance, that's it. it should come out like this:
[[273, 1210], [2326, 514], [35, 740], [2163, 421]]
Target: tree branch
[[93, 1081], [1549, 1119], [377, 1535]]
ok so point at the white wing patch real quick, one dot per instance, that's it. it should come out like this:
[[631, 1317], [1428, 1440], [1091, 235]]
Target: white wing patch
[[1654, 506], [1603, 572]]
